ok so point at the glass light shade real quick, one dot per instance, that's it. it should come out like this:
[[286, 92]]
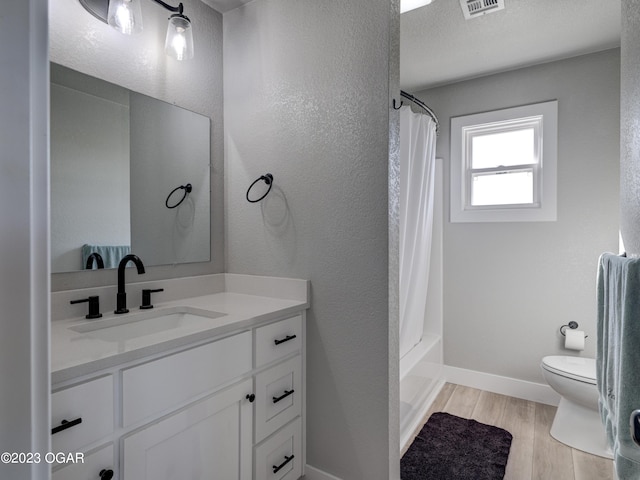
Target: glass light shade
[[179, 42], [125, 16]]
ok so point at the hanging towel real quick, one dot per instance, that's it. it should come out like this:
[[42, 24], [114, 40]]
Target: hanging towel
[[111, 255], [618, 357]]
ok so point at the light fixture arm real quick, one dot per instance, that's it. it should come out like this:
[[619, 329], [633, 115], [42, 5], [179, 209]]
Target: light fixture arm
[[177, 9], [99, 8]]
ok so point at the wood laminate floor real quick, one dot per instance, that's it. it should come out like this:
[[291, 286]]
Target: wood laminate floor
[[534, 455]]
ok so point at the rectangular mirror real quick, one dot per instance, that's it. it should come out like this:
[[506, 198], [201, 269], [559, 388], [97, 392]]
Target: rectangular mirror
[[116, 156]]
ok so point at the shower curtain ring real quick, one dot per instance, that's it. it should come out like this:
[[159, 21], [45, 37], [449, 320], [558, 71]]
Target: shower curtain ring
[[399, 106]]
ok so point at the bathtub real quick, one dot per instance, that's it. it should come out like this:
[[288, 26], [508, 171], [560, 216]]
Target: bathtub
[[421, 378], [421, 368]]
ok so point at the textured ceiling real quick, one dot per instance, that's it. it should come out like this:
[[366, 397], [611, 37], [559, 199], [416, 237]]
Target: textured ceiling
[[438, 46]]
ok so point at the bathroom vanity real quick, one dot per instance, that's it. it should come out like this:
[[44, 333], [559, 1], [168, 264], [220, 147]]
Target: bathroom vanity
[[209, 386]]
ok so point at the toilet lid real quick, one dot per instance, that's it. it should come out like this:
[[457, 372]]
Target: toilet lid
[[578, 368]]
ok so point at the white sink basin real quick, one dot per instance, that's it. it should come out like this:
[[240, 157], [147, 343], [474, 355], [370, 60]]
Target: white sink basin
[[130, 326]]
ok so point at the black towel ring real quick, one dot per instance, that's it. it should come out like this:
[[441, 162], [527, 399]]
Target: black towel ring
[[268, 179], [187, 190]]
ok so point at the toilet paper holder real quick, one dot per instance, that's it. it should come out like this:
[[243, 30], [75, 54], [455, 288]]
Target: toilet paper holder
[[572, 325]]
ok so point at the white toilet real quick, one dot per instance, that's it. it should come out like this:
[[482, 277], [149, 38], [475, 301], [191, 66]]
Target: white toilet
[[577, 422]]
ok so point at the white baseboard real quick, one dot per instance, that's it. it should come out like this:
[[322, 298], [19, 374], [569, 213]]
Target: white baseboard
[[535, 392], [312, 473]]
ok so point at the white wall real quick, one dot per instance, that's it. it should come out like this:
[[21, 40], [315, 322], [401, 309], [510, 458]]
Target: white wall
[[89, 179], [509, 287], [307, 87], [630, 133], [83, 43], [24, 253]]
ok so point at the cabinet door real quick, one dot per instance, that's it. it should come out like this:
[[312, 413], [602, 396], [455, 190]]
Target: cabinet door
[[210, 440]]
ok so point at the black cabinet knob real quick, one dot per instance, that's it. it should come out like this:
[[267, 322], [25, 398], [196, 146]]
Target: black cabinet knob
[[105, 474], [251, 397]]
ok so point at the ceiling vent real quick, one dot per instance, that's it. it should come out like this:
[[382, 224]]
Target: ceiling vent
[[477, 8]]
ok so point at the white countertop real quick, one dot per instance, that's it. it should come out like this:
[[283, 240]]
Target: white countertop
[[75, 354]]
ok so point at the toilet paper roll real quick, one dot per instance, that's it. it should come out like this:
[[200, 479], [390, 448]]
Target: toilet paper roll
[[574, 339]]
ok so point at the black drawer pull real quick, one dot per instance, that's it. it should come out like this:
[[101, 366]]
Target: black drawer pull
[[105, 474], [284, 395], [279, 467], [65, 424], [285, 339]]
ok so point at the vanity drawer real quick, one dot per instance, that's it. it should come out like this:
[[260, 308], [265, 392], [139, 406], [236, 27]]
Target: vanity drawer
[[154, 387], [280, 456], [278, 339], [278, 396], [92, 404], [90, 469]]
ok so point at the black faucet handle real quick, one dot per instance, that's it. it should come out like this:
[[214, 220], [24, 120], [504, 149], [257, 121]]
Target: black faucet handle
[[94, 306], [146, 297]]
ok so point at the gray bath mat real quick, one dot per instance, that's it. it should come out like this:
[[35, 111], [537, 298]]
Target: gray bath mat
[[454, 448]]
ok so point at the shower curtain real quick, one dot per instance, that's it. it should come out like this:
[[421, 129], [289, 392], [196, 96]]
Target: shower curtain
[[417, 171]]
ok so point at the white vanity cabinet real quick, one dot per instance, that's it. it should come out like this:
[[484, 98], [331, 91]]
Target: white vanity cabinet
[[231, 408]]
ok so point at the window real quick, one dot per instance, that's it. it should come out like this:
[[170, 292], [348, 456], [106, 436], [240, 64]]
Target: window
[[503, 165]]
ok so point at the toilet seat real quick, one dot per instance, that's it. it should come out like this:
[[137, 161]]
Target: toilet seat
[[577, 368]]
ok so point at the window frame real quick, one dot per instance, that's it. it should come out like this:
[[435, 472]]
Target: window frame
[[542, 117]]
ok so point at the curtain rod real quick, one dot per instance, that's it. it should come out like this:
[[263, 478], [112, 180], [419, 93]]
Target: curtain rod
[[422, 105]]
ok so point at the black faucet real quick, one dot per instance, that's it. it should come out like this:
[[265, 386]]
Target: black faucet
[[97, 257], [121, 297]]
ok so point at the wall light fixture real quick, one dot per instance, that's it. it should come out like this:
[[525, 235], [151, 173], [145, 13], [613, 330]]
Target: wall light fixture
[[126, 17]]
